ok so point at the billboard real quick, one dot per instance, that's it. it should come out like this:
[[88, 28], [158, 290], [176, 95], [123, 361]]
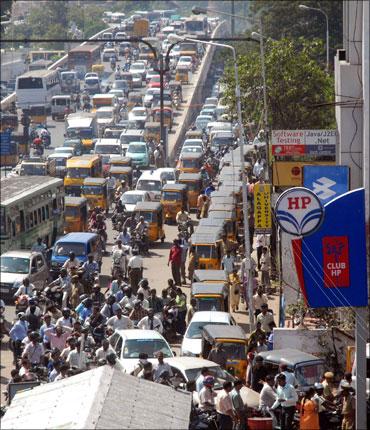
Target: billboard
[[331, 263], [327, 182], [303, 142], [289, 173], [262, 208]]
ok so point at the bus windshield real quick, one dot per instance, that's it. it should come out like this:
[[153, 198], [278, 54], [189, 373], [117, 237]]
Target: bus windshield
[[30, 83], [78, 172]]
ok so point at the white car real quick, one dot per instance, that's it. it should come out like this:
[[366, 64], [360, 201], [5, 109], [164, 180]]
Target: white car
[[128, 344], [192, 150], [185, 60], [150, 74], [130, 198], [65, 150], [202, 121], [192, 341], [138, 67], [138, 114], [211, 100], [193, 142], [91, 75]]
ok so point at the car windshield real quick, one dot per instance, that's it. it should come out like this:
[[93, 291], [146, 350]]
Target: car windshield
[[136, 149], [190, 163], [132, 199], [236, 351], [192, 149], [14, 264], [208, 304], [220, 141], [196, 327], [133, 347], [64, 248], [108, 149], [219, 374], [147, 185], [168, 176]]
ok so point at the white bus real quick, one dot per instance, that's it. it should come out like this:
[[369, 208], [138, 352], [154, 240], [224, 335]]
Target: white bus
[[37, 87]]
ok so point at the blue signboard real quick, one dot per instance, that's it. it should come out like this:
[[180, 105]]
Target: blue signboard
[[327, 182], [331, 263], [5, 145], [320, 150]]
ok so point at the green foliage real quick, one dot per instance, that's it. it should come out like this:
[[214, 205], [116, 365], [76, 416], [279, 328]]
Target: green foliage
[[285, 19], [295, 82]]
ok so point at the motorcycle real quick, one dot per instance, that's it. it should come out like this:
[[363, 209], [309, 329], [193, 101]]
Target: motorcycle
[[21, 303], [139, 243], [186, 228], [54, 294]]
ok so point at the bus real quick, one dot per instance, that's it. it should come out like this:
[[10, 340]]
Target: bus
[[80, 168], [37, 87], [197, 26], [39, 65], [82, 58], [31, 207], [45, 55]]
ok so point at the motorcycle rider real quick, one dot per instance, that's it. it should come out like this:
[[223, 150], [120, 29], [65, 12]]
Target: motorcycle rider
[[90, 269], [71, 264], [38, 145], [120, 190], [130, 223], [26, 288], [64, 283], [101, 228], [119, 259], [125, 237], [142, 230], [183, 217]]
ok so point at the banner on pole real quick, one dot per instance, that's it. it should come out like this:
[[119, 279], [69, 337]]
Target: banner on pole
[[262, 208]]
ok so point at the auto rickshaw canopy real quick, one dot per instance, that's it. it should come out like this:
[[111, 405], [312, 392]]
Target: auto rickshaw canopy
[[218, 332], [212, 222], [209, 289], [148, 207], [120, 161], [206, 236], [174, 187], [95, 181], [190, 177], [201, 275]]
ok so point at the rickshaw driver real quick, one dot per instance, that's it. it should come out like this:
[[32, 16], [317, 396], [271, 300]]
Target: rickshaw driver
[[142, 230]]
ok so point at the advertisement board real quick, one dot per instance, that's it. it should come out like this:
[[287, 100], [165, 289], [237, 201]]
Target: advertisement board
[[327, 182], [290, 173], [262, 208]]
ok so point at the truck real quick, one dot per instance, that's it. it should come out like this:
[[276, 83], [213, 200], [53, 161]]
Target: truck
[[69, 82], [19, 264]]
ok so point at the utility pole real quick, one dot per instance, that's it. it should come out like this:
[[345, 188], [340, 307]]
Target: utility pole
[[232, 18]]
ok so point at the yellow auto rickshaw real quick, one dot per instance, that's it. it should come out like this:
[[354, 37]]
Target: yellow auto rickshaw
[[234, 342], [135, 98], [121, 173], [211, 296], [75, 214], [121, 161], [152, 131], [183, 74], [229, 219], [98, 69], [95, 190], [190, 162], [194, 184], [205, 243], [38, 114], [174, 198], [167, 116], [153, 215]]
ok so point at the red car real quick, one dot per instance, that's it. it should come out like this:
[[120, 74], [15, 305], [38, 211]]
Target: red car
[[155, 82]]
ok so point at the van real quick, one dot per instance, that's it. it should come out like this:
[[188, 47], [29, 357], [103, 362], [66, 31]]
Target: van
[[105, 117], [92, 85], [82, 244], [131, 135], [152, 182], [107, 149], [220, 139], [61, 106]]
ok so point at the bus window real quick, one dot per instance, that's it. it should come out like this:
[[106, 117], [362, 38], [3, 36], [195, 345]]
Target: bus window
[[43, 213], [21, 214], [47, 211], [39, 215]]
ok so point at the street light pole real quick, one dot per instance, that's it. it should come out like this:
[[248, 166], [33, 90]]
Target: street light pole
[[247, 246], [303, 6]]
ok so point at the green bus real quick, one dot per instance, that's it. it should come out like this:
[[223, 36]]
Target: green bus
[[31, 207]]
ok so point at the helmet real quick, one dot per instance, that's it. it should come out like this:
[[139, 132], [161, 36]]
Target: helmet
[[209, 380]]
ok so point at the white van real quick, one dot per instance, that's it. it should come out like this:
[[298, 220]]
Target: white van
[[130, 135], [108, 149], [61, 106], [152, 182], [105, 116]]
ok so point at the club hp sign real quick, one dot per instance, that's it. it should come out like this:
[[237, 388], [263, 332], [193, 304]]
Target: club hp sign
[[299, 211]]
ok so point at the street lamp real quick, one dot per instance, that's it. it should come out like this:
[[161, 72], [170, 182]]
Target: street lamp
[[241, 146], [304, 7]]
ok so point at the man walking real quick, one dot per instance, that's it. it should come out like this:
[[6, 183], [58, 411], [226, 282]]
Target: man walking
[[175, 260]]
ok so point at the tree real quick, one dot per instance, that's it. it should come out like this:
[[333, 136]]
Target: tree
[[296, 85], [286, 19]]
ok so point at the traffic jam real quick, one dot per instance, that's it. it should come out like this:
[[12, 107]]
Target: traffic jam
[[123, 240]]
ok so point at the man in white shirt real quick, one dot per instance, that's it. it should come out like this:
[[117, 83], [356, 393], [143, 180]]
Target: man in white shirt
[[135, 270], [289, 376], [119, 321], [286, 397], [265, 318], [77, 358], [161, 367], [150, 322], [228, 263], [224, 407], [33, 350], [258, 168], [268, 397], [128, 298], [71, 264], [207, 395], [199, 381], [26, 288], [258, 300], [101, 353]]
